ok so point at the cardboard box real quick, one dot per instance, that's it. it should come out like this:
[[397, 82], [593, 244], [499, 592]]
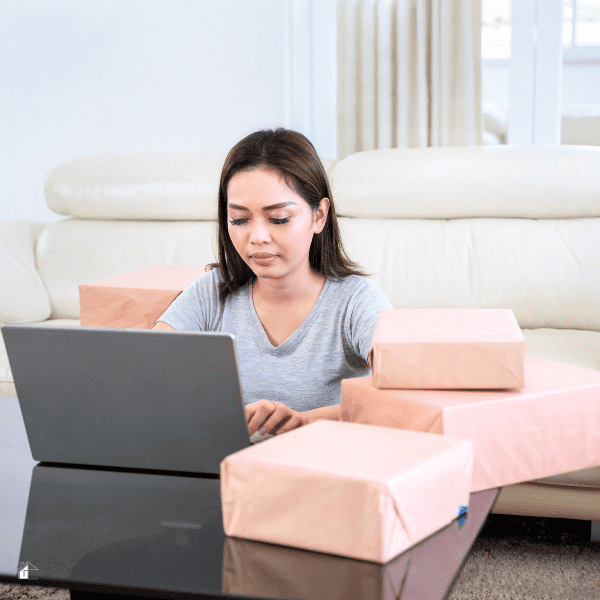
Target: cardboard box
[[549, 427], [347, 489], [133, 300], [447, 348]]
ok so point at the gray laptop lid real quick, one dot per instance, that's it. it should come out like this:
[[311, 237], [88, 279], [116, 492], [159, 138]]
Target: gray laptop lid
[[139, 399]]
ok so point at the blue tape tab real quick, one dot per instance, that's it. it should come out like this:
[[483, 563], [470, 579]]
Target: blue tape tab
[[462, 515]]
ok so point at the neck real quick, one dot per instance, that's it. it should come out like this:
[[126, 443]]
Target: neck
[[292, 289]]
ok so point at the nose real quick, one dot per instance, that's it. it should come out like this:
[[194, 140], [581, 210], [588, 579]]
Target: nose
[[259, 233]]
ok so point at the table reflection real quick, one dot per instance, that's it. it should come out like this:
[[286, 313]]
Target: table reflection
[[164, 532]]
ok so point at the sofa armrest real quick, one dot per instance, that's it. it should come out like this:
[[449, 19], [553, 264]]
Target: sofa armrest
[[23, 295]]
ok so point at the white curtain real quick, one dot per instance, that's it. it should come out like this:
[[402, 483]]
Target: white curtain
[[409, 74]]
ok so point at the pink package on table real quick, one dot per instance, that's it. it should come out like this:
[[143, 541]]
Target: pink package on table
[[347, 489], [549, 427], [133, 300], [447, 348]]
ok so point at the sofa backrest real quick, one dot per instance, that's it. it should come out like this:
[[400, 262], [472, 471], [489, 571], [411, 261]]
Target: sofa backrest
[[480, 227]]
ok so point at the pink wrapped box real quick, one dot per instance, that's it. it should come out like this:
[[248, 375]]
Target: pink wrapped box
[[447, 348], [133, 300], [348, 489], [549, 427], [271, 571]]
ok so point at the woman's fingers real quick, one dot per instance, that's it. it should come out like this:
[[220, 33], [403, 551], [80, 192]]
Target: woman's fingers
[[282, 419], [265, 416], [279, 412], [257, 413], [289, 424]]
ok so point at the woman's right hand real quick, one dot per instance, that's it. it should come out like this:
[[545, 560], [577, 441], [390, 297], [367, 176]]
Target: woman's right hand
[[272, 417]]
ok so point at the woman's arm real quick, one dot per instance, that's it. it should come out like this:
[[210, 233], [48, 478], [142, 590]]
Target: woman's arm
[[162, 325], [332, 413]]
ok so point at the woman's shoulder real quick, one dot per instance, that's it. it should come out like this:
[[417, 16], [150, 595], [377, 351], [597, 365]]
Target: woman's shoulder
[[209, 279], [205, 288], [357, 283], [359, 289]]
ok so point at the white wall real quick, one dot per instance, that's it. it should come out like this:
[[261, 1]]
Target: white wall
[[80, 77]]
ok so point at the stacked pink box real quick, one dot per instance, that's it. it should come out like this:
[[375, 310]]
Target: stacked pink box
[[546, 423], [447, 348]]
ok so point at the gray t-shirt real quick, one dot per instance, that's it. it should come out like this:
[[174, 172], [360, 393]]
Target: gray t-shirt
[[305, 371]]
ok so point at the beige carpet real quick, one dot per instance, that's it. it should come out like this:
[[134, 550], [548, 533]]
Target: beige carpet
[[530, 558], [515, 558]]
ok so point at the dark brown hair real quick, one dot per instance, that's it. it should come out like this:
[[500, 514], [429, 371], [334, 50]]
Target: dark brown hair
[[292, 155]]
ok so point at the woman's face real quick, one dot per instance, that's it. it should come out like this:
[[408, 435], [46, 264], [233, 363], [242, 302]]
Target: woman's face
[[269, 224]]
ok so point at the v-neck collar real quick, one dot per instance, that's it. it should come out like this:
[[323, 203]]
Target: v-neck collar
[[293, 340]]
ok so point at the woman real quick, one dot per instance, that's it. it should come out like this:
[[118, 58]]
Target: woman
[[302, 313]]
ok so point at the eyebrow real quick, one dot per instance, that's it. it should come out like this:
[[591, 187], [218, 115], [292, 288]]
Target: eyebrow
[[265, 208]]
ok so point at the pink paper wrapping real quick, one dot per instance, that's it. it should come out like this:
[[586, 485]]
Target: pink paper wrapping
[[447, 348], [342, 488], [133, 300], [549, 427]]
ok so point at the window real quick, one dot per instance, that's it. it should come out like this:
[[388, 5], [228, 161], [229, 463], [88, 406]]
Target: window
[[581, 30], [579, 80], [495, 29]]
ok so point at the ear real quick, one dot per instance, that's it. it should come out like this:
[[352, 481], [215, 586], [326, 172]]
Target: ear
[[320, 215]]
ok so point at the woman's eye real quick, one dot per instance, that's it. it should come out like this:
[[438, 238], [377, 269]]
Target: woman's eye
[[274, 221]]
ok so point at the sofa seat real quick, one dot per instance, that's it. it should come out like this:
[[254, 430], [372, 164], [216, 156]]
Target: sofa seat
[[477, 227], [577, 347]]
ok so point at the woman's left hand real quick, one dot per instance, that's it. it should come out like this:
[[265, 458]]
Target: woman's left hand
[[272, 417]]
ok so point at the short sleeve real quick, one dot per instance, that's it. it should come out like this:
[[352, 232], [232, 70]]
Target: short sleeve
[[197, 307], [364, 306]]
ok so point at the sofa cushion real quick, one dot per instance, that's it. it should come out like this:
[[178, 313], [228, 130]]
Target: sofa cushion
[[547, 271], [144, 185], [7, 386], [19, 278], [479, 181], [575, 347], [168, 186], [72, 252]]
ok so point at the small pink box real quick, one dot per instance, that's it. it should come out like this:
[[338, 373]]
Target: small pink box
[[447, 348], [347, 489], [549, 427], [133, 300]]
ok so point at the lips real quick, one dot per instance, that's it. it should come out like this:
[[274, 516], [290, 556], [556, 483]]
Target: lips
[[262, 255]]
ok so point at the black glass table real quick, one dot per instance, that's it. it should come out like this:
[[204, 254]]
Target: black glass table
[[160, 535]]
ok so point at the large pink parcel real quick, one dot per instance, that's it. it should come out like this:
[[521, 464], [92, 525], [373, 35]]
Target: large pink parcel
[[353, 490], [447, 348], [549, 427], [133, 300]]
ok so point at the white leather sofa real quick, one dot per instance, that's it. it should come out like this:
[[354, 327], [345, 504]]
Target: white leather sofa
[[495, 226]]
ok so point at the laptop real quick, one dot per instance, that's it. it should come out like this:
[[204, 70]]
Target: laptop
[[137, 399]]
